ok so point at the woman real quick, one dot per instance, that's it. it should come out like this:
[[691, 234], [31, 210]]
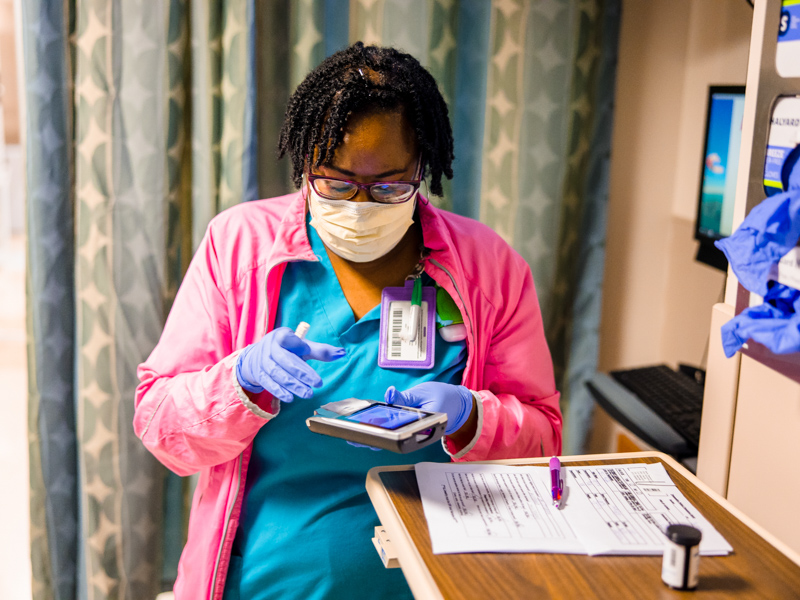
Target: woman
[[279, 511]]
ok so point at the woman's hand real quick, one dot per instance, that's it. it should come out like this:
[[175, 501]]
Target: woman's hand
[[433, 396], [277, 364]]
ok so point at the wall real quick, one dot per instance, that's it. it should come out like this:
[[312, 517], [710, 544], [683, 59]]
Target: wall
[[656, 299], [15, 563], [12, 203], [8, 73]]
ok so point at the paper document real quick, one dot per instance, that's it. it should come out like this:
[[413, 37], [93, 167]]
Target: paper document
[[614, 509]]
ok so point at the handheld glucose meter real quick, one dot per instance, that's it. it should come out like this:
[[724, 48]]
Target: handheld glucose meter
[[400, 429]]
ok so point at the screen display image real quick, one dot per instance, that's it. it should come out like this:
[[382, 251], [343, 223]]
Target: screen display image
[[721, 161], [385, 416]]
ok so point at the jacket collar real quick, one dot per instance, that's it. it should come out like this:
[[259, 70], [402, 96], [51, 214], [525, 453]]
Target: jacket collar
[[291, 238], [436, 235]]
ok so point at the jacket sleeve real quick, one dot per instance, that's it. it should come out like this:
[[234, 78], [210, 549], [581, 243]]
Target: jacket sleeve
[[519, 414], [189, 409]]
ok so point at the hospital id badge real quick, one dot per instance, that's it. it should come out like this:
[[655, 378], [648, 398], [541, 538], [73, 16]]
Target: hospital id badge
[[408, 327]]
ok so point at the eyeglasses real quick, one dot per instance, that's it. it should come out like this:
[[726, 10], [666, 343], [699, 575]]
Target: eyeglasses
[[386, 192]]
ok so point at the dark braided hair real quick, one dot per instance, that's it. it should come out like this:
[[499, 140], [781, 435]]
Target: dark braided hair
[[362, 79]]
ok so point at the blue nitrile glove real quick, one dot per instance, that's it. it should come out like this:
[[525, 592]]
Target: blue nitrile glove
[[277, 364], [357, 445], [433, 396], [775, 324], [768, 232]]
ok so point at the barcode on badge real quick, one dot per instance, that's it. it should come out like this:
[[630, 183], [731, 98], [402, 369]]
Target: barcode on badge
[[396, 348]]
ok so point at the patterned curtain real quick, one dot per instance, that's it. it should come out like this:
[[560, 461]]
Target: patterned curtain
[[140, 128], [145, 118]]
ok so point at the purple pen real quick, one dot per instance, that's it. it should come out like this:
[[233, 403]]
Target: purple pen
[[556, 483]]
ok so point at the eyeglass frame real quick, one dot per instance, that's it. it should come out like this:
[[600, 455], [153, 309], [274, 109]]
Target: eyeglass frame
[[367, 187]]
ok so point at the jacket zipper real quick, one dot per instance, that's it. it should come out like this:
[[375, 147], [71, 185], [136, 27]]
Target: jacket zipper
[[241, 456], [227, 524], [239, 462], [463, 303]]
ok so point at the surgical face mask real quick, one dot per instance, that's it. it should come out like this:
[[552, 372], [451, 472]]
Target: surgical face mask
[[359, 231]]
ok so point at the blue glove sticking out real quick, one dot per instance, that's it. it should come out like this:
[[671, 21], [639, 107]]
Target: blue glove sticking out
[[277, 364], [775, 324], [768, 232], [433, 396]]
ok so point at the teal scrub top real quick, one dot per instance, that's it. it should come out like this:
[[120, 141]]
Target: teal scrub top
[[307, 523]]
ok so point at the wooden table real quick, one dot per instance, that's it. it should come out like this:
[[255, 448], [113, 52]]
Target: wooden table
[[759, 567]]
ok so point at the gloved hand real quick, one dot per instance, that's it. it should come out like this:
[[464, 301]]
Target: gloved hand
[[357, 445], [277, 364], [433, 396], [768, 232], [775, 324]]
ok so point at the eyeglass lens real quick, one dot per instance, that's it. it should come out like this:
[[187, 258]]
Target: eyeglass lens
[[335, 189]]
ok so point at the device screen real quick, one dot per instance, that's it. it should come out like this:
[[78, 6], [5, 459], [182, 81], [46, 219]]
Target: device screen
[[385, 416]]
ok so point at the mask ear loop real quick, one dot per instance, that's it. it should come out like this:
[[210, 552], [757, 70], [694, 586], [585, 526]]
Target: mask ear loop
[[306, 171], [419, 175], [424, 252], [306, 186], [423, 199]]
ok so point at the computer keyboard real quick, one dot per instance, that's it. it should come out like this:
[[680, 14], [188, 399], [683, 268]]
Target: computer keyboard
[[675, 397]]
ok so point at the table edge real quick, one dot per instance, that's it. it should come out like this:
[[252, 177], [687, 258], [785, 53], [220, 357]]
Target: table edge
[[373, 476], [417, 574]]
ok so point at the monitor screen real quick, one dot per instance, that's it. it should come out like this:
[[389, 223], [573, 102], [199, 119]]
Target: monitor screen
[[723, 137]]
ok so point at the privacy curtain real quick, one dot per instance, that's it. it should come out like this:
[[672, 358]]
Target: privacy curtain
[[145, 118], [139, 130]]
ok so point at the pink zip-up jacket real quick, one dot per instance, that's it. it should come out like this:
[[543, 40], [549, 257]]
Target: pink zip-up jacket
[[193, 416]]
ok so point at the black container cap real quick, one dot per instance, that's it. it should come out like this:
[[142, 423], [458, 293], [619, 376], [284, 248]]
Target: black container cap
[[685, 535]]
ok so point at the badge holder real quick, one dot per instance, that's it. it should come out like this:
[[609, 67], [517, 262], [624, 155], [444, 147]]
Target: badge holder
[[408, 325]]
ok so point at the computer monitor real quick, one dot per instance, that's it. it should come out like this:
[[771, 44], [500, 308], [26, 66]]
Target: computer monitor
[[723, 137]]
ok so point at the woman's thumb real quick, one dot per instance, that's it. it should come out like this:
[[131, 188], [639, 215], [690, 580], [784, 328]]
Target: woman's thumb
[[324, 352], [394, 396]]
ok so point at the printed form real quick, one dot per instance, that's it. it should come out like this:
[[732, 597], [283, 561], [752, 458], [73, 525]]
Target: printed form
[[614, 509]]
